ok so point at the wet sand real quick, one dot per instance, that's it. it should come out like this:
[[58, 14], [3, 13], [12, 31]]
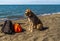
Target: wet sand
[[52, 22]]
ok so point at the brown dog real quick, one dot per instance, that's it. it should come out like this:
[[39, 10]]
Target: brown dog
[[34, 21]]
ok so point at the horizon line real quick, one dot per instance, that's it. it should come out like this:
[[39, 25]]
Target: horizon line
[[29, 4]]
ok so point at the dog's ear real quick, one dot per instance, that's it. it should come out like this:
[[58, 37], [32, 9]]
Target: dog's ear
[[28, 10]]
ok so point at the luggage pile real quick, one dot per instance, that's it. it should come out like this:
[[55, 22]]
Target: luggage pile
[[10, 28]]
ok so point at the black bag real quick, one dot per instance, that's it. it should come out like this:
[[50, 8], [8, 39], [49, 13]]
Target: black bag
[[7, 27]]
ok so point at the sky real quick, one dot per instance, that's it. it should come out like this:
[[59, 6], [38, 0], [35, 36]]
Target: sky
[[29, 1]]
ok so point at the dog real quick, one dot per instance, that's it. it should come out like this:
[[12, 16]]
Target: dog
[[33, 20]]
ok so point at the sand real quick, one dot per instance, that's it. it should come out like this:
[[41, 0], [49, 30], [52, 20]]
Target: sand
[[52, 22]]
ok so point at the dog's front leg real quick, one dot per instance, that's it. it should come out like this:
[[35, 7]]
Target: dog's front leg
[[31, 28], [34, 26], [26, 23]]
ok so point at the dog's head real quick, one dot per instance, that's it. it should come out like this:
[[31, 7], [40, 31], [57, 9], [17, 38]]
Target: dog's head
[[28, 12]]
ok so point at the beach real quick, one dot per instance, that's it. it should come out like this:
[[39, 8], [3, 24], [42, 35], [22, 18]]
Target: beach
[[52, 33]]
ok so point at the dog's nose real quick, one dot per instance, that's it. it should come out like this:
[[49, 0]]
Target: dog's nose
[[25, 12]]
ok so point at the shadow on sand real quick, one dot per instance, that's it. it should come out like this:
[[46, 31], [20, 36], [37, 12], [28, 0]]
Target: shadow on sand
[[44, 28]]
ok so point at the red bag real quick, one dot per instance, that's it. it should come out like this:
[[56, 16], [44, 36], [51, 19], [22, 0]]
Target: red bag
[[17, 28]]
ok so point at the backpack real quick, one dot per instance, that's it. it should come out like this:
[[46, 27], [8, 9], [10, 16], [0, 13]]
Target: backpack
[[7, 28], [17, 28]]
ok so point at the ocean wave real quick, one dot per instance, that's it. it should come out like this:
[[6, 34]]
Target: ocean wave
[[15, 16], [2, 19], [49, 14]]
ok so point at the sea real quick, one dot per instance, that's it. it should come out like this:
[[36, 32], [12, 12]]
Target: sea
[[15, 12]]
